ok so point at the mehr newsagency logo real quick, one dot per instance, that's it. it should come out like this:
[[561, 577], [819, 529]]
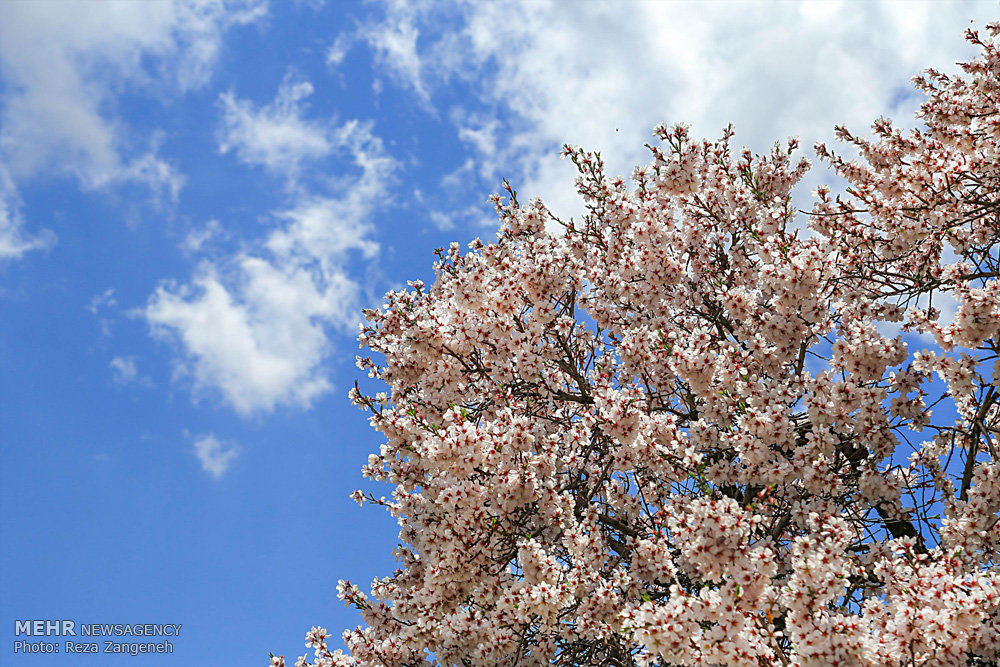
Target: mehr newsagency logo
[[76, 637]]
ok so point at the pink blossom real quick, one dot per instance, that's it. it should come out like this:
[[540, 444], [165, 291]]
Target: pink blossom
[[679, 431]]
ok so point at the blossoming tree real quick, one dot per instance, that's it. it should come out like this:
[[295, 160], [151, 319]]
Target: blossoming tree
[[698, 427]]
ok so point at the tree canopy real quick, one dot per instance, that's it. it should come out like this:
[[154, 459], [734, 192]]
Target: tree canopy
[[699, 426]]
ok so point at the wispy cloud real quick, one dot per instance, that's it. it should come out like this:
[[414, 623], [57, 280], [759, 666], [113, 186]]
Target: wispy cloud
[[199, 238], [275, 136], [63, 67], [255, 326], [394, 42], [102, 306], [125, 372], [216, 456], [14, 240], [337, 51], [601, 74]]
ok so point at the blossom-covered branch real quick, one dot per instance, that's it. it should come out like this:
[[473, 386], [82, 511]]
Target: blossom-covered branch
[[699, 426]]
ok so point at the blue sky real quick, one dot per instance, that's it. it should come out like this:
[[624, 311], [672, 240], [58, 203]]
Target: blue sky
[[197, 199]]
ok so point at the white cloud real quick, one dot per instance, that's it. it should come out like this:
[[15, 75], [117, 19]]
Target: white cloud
[[198, 239], [470, 216], [100, 306], [275, 136], [258, 338], [216, 456], [324, 229], [125, 372], [14, 240], [338, 50], [64, 62], [442, 221], [105, 299], [254, 327], [601, 74], [395, 44], [162, 179]]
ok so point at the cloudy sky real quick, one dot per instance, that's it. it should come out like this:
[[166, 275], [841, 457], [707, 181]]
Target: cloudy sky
[[197, 198]]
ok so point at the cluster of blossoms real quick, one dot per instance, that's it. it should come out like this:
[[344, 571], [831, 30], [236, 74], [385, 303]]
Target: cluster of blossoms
[[686, 429]]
